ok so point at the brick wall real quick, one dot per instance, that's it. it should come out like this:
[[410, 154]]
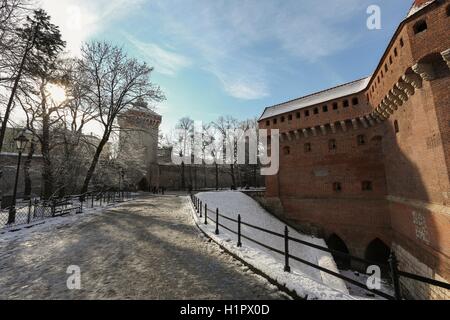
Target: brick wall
[[408, 207]]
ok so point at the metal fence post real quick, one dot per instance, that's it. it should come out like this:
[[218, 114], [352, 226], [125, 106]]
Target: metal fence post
[[217, 221], [239, 244], [93, 200], [287, 268], [53, 207], [35, 207], [206, 213], [201, 208], [29, 212], [393, 263]]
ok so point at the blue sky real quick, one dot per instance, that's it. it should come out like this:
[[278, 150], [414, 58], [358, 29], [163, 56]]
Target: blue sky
[[235, 57]]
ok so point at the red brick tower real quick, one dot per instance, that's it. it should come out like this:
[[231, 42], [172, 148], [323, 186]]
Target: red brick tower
[[366, 164]]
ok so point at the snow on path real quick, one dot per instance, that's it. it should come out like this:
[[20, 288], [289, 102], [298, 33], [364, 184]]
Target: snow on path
[[144, 249], [305, 280]]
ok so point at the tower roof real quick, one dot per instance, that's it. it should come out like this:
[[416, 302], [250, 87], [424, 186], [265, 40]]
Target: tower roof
[[419, 5]]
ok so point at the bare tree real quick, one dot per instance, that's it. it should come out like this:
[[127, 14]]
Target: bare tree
[[184, 142], [44, 119], [40, 43], [12, 14], [227, 127], [115, 82]]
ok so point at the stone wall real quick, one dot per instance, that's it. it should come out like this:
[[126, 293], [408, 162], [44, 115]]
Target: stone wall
[[201, 177]]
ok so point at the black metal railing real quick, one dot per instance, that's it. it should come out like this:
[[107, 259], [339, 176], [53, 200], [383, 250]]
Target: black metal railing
[[34, 210], [395, 274]]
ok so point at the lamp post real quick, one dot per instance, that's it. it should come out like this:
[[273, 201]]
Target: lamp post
[[21, 144]]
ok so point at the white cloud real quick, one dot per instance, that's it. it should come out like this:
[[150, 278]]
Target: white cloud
[[240, 42], [81, 19], [242, 86], [165, 61], [227, 35]]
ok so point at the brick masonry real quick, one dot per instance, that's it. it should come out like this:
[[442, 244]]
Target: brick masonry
[[395, 186]]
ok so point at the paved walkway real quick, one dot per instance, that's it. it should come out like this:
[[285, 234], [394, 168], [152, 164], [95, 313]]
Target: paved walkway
[[147, 249]]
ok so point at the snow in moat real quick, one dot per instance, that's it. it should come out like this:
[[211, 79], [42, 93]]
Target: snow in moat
[[145, 249], [304, 280]]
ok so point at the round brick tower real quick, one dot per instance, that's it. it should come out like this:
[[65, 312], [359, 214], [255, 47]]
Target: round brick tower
[[139, 130]]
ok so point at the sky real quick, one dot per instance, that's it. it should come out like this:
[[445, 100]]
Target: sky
[[235, 57]]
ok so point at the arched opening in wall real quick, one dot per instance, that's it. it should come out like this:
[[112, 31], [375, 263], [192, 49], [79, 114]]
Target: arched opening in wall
[[143, 184], [334, 242], [432, 66], [377, 251]]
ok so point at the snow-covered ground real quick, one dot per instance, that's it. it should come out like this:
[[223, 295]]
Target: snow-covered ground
[[44, 223], [304, 280], [360, 293], [143, 249]]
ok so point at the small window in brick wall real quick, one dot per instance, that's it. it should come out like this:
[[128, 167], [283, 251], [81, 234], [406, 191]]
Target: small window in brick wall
[[308, 147], [332, 144], [355, 101], [325, 108], [361, 140], [307, 113], [396, 127], [316, 110], [275, 121], [290, 117], [367, 186], [283, 118], [337, 187], [268, 123], [298, 115], [335, 106], [346, 104], [420, 26]]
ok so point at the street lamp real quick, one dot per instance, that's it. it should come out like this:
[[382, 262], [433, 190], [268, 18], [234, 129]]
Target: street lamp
[[21, 144]]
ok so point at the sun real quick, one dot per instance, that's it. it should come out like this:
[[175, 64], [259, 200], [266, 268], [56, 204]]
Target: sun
[[57, 93]]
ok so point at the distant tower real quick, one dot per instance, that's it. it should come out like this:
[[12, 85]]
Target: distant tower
[[139, 131]]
